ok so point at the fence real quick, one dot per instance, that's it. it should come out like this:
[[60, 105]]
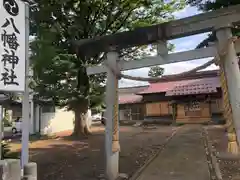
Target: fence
[[10, 169]]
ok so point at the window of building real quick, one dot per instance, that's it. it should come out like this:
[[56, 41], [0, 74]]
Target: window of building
[[132, 112], [192, 108]]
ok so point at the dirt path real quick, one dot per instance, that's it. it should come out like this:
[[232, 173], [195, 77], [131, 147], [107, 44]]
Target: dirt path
[[64, 159], [183, 158]]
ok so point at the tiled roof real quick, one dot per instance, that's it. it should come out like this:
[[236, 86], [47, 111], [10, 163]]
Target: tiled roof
[[185, 87], [131, 90], [130, 99], [159, 87]]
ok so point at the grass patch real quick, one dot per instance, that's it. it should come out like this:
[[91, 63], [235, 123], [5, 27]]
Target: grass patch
[[38, 136], [179, 124], [7, 153]]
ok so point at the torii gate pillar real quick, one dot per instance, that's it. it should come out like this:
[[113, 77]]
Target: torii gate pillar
[[112, 123], [231, 68]]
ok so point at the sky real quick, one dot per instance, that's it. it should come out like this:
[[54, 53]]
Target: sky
[[181, 44]]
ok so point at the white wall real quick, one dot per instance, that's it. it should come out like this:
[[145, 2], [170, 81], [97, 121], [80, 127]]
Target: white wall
[[36, 119], [31, 128], [122, 115], [58, 121]]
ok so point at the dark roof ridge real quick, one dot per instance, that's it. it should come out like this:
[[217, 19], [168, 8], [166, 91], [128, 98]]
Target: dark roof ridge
[[197, 75]]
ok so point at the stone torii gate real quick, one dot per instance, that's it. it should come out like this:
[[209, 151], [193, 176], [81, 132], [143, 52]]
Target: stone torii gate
[[219, 21]]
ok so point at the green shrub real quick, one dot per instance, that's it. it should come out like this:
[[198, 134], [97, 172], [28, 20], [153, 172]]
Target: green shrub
[[6, 122], [5, 149], [179, 124], [7, 153]]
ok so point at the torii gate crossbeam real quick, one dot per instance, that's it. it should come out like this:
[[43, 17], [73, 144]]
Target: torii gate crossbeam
[[197, 24], [201, 53]]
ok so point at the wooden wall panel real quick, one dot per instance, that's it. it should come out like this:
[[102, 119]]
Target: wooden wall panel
[[164, 108], [158, 109], [180, 110], [193, 117], [217, 105], [213, 106], [221, 104], [152, 109], [205, 109]]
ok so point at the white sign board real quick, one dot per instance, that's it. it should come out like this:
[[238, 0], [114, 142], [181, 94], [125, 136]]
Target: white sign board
[[12, 45]]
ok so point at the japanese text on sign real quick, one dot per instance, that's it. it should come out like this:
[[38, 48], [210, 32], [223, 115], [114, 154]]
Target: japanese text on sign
[[12, 45]]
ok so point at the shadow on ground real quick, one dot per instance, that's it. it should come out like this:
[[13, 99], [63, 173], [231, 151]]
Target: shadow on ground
[[65, 158]]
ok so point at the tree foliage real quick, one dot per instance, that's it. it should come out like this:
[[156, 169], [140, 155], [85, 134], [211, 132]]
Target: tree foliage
[[59, 75], [5, 149], [210, 5], [156, 71]]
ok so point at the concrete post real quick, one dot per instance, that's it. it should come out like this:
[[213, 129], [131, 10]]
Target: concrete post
[[29, 178], [3, 170], [10, 169], [14, 167], [30, 171], [112, 158], [1, 130], [230, 63], [25, 103]]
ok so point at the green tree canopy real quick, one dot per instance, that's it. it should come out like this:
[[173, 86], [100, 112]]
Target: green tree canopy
[[209, 5], [59, 75], [156, 71]]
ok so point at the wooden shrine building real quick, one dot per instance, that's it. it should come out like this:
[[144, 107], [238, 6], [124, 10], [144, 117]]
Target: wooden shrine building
[[190, 99]]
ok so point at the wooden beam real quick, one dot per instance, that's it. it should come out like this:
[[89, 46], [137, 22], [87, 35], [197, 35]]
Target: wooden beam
[[161, 60], [170, 30]]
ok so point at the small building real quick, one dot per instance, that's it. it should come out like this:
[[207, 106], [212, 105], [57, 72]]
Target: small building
[[189, 99], [131, 106], [45, 118]]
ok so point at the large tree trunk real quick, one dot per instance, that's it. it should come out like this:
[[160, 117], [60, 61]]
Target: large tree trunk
[[82, 125]]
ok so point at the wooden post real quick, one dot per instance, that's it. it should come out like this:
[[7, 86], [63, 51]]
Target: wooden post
[[112, 158], [230, 63]]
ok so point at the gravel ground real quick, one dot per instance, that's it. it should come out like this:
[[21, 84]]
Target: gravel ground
[[66, 159], [230, 169], [180, 157]]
